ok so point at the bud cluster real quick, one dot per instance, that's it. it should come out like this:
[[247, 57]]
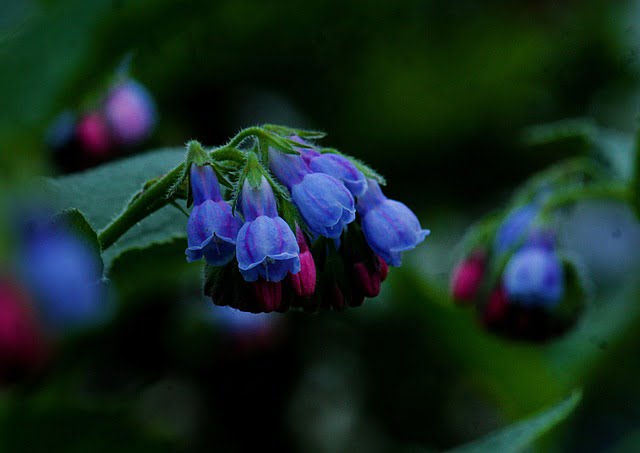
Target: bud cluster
[[122, 118], [518, 280], [301, 227]]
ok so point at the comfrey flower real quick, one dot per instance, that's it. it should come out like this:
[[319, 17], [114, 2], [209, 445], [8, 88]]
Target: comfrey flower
[[514, 228], [212, 227], [389, 226], [266, 247], [325, 204], [130, 112], [334, 165], [534, 276]]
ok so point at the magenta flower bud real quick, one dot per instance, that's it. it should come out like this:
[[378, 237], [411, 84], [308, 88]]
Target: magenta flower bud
[[130, 112], [93, 134], [304, 282], [467, 277], [268, 295], [22, 344], [366, 280], [384, 269]]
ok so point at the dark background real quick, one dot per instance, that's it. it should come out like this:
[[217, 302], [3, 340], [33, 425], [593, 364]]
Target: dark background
[[435, 96]]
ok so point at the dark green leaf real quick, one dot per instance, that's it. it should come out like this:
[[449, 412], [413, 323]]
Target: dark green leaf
[[101, 193], [74, 220], [520, 435]]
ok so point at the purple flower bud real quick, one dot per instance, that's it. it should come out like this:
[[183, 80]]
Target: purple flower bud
[[534, 276], [63, 273], [267, 295], [388, 225], [325, 204], [93, 134], [212, 228], [266, 247], [130, 112], [304, 282], [514, 228]]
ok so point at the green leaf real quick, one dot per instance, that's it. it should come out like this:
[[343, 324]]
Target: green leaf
[[302, 133], [516, 437], [77, 223], [101, 193]]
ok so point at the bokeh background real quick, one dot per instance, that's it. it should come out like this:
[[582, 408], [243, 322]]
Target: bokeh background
[[435, 95]]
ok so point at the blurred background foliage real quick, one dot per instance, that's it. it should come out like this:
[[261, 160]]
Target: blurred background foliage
[[433, 94]]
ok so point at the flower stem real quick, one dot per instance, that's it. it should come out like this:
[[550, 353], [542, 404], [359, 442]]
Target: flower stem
[[163, 191], [149, 201], [616, 192]]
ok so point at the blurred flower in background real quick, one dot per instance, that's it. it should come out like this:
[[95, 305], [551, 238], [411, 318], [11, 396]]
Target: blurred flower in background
[[62, 272], [120, 120]]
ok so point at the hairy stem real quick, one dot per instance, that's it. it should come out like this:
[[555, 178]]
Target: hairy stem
[[152, 199]]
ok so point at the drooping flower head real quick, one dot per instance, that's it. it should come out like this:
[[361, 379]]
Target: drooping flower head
[[266, 247], [389, 226], [324, 202], [212, 227]]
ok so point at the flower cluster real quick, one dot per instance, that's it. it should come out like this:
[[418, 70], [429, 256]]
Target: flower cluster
[[123, 118], [520, 285], [309, 228]]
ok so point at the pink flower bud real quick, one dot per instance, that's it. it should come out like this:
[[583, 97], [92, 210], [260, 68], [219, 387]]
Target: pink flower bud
[[467, 277], [367, 280], [384, 269], [93, 134], [268, 295], [22, 345], [304, 281]]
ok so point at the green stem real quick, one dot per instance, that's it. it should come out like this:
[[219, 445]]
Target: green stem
[[152, 199], [162, 192], [608, 192]]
